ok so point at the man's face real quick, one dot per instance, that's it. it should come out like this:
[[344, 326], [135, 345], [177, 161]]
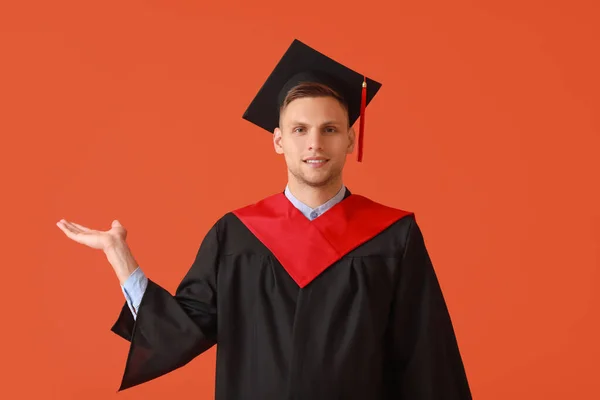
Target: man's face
[[314, 138]]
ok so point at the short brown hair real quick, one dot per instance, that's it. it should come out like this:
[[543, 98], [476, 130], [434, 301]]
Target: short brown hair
[[312, 89]]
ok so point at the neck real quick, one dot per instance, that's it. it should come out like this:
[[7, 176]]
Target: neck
[[314, 196]]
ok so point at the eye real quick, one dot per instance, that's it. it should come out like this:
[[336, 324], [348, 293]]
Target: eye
[[298, 129], [331, 129]]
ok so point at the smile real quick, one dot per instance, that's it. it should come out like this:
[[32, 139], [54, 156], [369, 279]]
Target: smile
[[315, 161]]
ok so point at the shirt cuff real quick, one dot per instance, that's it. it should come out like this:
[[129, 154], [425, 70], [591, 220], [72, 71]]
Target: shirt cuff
[[134, 288]]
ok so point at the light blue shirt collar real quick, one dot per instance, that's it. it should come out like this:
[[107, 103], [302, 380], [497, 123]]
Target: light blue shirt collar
[[312, 213]]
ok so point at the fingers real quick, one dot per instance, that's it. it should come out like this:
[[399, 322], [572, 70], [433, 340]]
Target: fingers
[[81, 227], [71, 228], [119, 229], [86, 235], [67, 229]]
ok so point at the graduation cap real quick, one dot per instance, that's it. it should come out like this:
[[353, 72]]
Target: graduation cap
[[301, 63]]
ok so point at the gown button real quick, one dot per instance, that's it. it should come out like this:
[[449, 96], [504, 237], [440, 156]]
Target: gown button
[[314, 215]]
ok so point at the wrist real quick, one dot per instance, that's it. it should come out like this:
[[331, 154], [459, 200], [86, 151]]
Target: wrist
[[121, 259]]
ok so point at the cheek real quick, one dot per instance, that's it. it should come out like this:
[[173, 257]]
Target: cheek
[[293, 145], [340, 145]]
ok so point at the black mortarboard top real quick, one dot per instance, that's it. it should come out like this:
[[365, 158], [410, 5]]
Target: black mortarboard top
[[301, 63]]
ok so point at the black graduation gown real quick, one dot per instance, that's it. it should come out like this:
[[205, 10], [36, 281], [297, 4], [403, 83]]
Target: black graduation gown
[[346, 306]]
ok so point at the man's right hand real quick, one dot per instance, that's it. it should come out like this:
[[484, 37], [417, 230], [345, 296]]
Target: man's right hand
[[112, 242], [92, 238]]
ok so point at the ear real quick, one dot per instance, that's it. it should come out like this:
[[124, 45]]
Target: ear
[[277, 136], [352, 137]]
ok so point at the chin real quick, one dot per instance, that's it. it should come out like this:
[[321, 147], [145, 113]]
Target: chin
[[314, 177], [317, 179], [316, 183]]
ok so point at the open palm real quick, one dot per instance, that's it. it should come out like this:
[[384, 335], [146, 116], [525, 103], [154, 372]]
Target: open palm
[[93, 238]]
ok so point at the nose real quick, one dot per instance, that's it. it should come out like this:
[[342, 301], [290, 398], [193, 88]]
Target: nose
[[315, 140]]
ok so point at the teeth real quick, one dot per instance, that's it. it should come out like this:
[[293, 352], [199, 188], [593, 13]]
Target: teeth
[[315, 161]]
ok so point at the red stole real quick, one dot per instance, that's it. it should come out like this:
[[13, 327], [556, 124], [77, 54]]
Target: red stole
[[307, 248]]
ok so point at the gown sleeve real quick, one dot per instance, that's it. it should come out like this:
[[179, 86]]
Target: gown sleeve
[[169, 331], [424, 361]]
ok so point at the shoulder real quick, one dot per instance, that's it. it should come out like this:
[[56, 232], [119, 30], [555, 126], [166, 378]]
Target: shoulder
[[257, 207], [405, 221], [230, 228], [263, 207], [365, 203]]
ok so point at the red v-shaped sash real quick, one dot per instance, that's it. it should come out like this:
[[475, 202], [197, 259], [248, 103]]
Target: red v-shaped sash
[[307, 248]]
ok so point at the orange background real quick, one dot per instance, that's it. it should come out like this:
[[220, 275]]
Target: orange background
[[486, 126]]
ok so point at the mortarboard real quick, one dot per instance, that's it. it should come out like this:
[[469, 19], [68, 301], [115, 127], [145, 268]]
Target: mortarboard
[[301, 63]]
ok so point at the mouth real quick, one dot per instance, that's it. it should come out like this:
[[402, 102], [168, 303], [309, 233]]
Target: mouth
[[315, 161]]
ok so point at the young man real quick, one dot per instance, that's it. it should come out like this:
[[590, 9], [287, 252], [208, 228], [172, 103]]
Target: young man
[[313, 293]]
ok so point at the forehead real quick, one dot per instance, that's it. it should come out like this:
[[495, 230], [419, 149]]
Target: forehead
[[315, 108]]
